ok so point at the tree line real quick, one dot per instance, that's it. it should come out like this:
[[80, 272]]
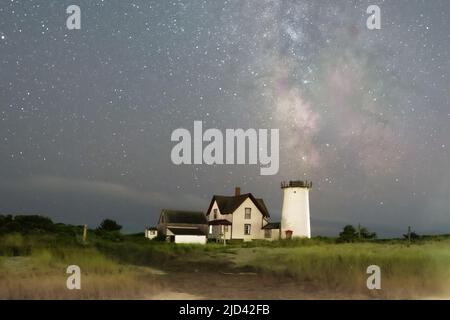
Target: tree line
[[39, 224]]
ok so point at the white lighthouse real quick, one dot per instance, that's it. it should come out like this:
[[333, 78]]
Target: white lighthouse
[[295, 220]]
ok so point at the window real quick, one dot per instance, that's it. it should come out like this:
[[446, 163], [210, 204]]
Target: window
[[210, 229], [247, 229], [268, 233], [215, 214], [225, 228], [152, 231], [248, 213]]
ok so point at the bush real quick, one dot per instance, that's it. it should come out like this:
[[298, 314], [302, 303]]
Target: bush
[[13, 245], [159, 237], [413, 236], [109, 225], [114, 236], [350, 234], [26, 224]]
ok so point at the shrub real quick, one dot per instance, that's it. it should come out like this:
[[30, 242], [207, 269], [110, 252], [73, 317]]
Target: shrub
[[26, 224], [350, 234], [109, 225], [14, 244], [114, 236]]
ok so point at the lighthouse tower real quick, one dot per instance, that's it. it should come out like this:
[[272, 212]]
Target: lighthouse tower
[[295, 212]]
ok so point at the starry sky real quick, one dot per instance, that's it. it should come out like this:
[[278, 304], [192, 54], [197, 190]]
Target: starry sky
[[86, 115]]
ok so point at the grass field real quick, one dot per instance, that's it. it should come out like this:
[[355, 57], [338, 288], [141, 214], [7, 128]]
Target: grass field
[[421, 270], [34, 266]]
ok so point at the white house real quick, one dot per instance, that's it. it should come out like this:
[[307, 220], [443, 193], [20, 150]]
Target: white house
[[240, 217]]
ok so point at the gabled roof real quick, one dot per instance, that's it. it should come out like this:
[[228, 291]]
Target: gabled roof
[[187, 231], [179, 216], [263, 206], [229, 204]]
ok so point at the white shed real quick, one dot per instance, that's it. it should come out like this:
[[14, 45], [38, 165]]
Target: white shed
[[151, 232], [187, 235]]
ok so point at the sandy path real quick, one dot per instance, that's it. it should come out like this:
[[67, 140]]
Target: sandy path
[[227, 285], [222, 286]]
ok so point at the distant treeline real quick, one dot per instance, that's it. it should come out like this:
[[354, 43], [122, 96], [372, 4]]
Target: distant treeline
[[32, 224], [36, 224], [28, 224]]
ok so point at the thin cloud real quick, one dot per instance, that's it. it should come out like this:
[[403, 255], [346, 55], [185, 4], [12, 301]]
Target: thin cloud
[[64, 185]]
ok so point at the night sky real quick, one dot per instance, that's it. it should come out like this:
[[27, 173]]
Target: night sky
[[86, 115]]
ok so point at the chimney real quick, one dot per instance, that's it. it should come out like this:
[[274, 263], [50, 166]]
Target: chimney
[[237, 191]]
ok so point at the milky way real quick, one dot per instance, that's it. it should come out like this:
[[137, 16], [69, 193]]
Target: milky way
[[86, 115]]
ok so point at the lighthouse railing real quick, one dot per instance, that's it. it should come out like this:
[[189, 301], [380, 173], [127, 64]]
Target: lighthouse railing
[[296, 184]]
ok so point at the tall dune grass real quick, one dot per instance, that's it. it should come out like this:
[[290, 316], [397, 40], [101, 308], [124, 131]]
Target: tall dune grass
[[413, 271], [33, 268]]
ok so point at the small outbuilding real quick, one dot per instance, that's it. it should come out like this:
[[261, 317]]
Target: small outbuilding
[[187, 235], [183, 226], [272, 231], [151, 232]]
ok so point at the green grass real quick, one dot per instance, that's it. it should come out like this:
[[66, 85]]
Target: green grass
[[34, 265], [419, 269]]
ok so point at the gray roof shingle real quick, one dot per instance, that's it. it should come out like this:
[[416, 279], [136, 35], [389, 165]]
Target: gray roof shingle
[[228, 204], [272, 225], [187, 231], [179, 216]]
